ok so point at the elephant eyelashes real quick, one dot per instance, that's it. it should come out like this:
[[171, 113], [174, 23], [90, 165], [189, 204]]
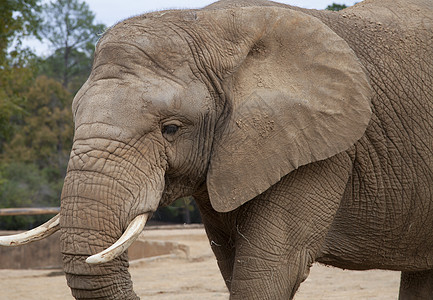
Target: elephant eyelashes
[[170, 129]]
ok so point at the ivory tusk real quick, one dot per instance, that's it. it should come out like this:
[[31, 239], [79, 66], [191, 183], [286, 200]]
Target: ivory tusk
[[38, 233], [128, 237]]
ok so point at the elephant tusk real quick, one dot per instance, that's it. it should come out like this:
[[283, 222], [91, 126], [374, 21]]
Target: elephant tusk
[[38, 233], [128, 237]]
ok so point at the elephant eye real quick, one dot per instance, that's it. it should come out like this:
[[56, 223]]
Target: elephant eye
[[170, 129]]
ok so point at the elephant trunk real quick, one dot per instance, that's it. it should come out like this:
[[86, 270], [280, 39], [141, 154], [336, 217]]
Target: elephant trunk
[[97, 207], [86, 229], [106, 281]]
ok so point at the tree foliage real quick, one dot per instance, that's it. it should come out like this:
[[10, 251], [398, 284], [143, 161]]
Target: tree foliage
[[183, 210], [33, 162], [336, 7], [14, 81], [35, 121], [70, 28], [76, 70], [46, 128], [18, 19], [25, 185]]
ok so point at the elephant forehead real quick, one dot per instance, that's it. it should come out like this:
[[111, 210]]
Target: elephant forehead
[[151, 44], [121, 74], [138, 104], [156, 95], [166, 99]]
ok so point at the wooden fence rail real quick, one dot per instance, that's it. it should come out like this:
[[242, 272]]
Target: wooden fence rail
[[29, 211]]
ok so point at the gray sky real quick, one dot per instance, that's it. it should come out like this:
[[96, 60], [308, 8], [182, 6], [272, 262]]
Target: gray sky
[[109, 12], [112, 11]]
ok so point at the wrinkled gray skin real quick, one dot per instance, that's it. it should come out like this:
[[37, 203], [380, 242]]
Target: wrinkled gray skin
[[287, 162]]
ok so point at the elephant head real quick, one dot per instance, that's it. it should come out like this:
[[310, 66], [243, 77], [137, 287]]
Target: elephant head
[[229, 99]]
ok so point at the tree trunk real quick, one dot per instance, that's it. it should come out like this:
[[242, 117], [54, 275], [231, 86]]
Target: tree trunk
[[65, 66]]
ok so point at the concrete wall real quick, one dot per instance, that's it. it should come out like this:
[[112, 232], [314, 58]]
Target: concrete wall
[[45, 253], [41, 254]]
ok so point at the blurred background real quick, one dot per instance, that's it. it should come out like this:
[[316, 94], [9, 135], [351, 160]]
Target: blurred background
[[46, 53]]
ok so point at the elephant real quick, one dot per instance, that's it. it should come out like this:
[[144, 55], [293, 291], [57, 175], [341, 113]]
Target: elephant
[[304, 135]]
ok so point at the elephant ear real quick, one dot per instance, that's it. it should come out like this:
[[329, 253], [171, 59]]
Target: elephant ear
[[295, 94]]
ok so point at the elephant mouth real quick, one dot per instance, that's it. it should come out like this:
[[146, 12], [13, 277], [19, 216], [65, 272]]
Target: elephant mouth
[[131, 233]]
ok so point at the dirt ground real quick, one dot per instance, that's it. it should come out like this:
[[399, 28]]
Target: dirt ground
[[195, 275]]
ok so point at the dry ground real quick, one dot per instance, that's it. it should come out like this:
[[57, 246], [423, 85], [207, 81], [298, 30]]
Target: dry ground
[[197, 277]]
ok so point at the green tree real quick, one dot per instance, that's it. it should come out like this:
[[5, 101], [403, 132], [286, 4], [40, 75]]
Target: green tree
[[18, 19], [78, 69], [25, 185], [71, 30], [33, 163], [14, 81], [336, 7], [183, 210], [45, 135]]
